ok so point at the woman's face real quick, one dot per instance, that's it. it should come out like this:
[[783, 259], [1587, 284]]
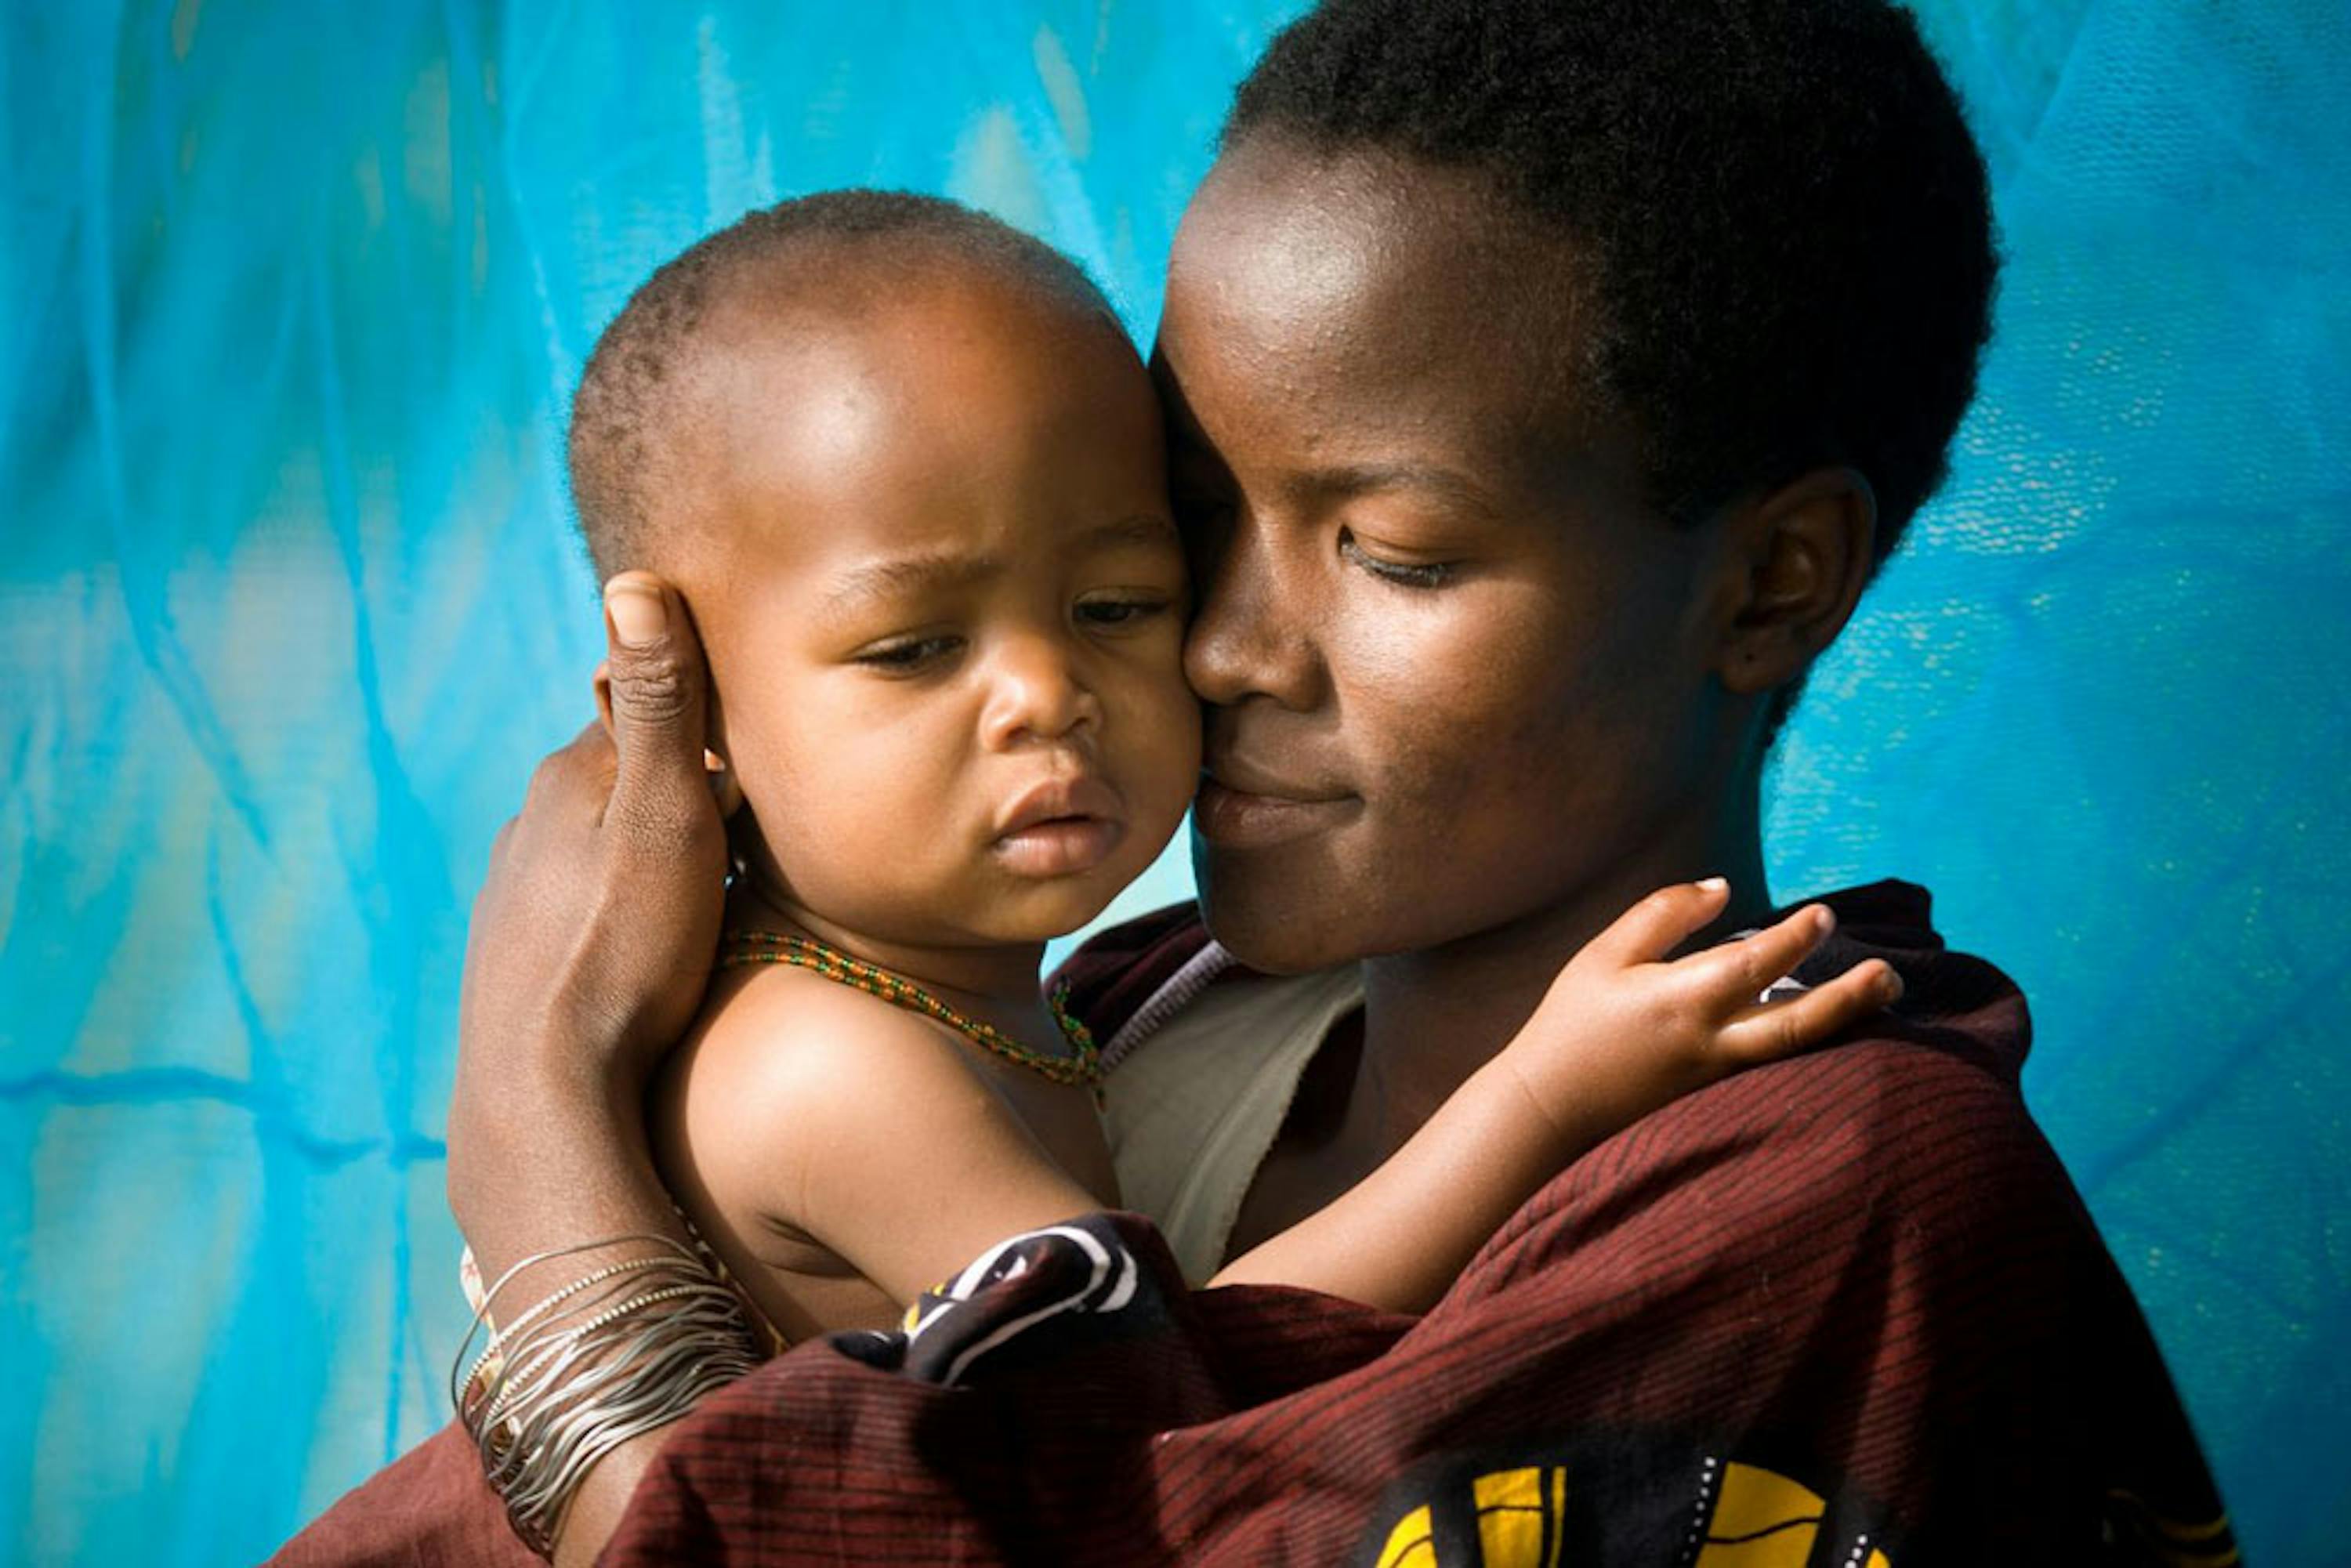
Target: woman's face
[[1457, 669]]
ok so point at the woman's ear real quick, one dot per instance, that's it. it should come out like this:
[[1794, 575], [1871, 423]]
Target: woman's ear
[[725, 787], [1800, 557]]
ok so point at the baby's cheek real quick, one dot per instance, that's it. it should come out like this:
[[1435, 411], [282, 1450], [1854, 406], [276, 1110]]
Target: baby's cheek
[[1175, 748], [822, 810]]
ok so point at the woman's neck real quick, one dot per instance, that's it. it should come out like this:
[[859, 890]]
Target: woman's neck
[[1433, 1017]]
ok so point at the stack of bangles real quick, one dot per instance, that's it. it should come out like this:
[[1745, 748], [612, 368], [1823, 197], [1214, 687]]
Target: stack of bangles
[[627, 1347]]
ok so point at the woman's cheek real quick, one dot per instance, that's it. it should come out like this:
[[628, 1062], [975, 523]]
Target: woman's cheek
[[1460, 655]]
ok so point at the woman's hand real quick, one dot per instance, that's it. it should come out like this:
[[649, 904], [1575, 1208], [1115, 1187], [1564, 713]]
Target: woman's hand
[[596, 925], [591, 941]]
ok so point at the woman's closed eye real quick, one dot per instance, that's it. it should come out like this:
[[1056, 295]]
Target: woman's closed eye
[[1403, 573]]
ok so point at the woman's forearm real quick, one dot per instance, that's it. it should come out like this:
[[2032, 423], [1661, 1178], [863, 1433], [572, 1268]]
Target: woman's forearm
[[568, 1167], [571, 1171]]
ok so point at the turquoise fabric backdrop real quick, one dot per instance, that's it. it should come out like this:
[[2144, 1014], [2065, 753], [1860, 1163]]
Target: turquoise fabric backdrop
[[289, 606]]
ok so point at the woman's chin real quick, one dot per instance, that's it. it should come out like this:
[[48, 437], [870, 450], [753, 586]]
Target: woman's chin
[[1274, 925]]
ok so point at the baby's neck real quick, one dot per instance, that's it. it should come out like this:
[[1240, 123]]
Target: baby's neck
[[995, 982]]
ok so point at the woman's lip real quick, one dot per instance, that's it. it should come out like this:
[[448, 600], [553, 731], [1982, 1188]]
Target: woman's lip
[[1059, 846], [1235, 819]]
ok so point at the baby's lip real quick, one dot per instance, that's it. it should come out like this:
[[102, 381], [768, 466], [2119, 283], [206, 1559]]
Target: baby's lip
[[1059, 798]]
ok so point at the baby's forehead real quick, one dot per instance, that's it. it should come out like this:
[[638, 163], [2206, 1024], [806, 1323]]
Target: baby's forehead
[[911, 362], [898, 395], [839, 271], [823, 323]]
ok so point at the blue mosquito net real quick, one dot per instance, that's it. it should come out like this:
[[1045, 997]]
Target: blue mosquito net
[[289, 606]]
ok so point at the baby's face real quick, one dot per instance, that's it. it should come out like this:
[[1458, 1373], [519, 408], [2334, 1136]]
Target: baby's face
[[943, 602]]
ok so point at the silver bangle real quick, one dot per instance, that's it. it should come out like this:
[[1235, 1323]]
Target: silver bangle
[[491, 1348], [622, 1351], [622, 1399]]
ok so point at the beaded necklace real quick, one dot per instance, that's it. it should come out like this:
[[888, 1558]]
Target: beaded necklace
[[1083, 1066]]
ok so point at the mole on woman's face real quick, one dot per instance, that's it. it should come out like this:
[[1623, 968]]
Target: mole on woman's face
[[1450, 653]]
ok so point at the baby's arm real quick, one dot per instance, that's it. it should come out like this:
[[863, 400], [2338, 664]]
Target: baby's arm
[[1619, 1034], [804, 1110]]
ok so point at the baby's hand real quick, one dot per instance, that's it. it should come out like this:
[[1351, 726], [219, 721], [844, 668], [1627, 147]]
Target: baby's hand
[[1622, 1032]]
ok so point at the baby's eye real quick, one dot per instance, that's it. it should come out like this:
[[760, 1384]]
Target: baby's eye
[[1121, 609], [904, 655]]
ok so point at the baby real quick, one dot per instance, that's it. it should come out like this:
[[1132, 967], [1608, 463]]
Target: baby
[[907, 469]]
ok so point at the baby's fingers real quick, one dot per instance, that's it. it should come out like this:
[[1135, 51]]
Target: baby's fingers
[[1734, 975], [1774, 1030], [1659, 923]]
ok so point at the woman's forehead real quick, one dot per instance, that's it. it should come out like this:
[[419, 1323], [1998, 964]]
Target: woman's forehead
[[1375, 295], [1365, 219]]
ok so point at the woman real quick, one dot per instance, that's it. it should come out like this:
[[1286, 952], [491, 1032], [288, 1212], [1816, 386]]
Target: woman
[[1545, 386]]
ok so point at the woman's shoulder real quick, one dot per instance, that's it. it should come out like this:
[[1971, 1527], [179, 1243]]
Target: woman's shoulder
[[1117, 972]]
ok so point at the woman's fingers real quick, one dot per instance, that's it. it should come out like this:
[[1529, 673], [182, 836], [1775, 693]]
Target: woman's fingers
[[1659, 923], [1770, 1030], [654, 686], [572, 782]]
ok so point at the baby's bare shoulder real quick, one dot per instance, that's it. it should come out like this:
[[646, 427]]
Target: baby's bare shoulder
[[801, 1108], [782, 1053], [785, 1075]]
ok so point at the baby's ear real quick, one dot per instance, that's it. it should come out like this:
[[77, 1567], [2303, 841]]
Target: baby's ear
[[725, 787]]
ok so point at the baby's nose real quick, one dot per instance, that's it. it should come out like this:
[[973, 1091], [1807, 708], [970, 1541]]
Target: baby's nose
[[1038, 694]]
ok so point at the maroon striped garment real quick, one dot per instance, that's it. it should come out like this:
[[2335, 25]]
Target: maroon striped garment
[[1845, 1310]]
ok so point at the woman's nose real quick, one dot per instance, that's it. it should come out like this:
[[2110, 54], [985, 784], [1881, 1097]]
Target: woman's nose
[[1252, 634], [1038, 692]]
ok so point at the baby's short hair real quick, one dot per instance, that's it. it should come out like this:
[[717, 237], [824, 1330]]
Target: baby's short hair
[[834, 249]]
